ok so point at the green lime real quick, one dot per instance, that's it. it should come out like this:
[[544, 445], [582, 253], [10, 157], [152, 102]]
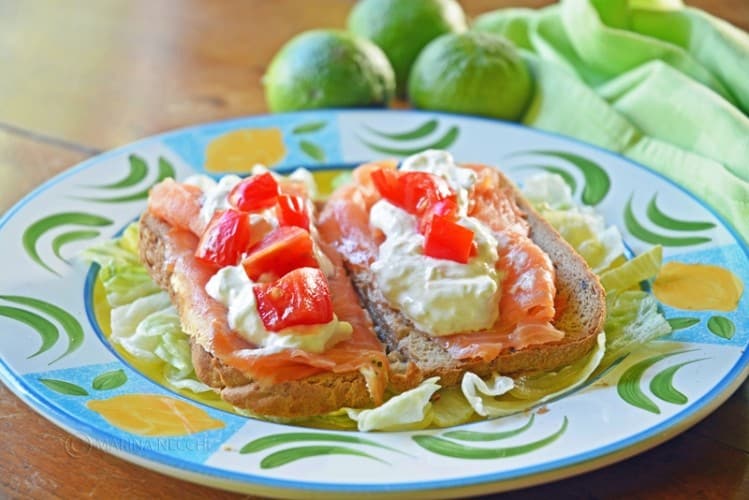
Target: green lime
[[326, 69], [473, 73], [401, 28]]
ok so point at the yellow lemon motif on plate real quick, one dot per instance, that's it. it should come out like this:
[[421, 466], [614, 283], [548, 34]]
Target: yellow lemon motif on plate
[[240, 150], [698, 287], [154, 415]]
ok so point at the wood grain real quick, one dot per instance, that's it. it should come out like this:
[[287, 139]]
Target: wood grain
[[25, 163], [82, 76], [106, 73]]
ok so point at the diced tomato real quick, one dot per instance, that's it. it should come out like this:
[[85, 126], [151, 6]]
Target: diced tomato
[[282, 250], [446, 239], [255, 193], [259, 229], [421, 190], [446, 208], [386, 182], [292, 211], [225, 239], [414, 192], [301, 297]]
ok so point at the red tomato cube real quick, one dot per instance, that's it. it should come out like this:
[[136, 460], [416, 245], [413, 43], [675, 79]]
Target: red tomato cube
[[414, 192], [300, 297], [386, 182], [447, 208], [282, 250], [446, 239], [255, 193], [225, 239], [292, 211]]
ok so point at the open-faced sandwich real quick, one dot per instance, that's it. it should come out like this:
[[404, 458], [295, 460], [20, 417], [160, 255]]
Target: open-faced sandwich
[[459, 273], [275, 325], [408, 279]]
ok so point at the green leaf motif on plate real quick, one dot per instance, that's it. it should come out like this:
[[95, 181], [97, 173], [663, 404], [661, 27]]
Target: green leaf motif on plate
[[165, 170], [419, 132], [48, 332], [665, 221], [628, 386], [662, 385], [70, 325], [38, 229], [682, 323], [640, 232], [138, 171], [308, 128], [289, 455], [266, 442], [443, 142], [71, 237], [721, 326], [312, 150], [63, 387], [489, 436], [109, 380], [597, 181], [448, 448]]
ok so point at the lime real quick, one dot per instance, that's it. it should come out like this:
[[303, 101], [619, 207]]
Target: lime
[[473, 73], [328, 68], [401, 28]]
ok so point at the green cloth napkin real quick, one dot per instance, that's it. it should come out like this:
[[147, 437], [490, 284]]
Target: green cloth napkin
[[665, 85]]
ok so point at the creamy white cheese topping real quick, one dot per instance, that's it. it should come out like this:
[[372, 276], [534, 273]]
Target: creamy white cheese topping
[[440, 296], [441, 163], [215, 194], [233, 288]]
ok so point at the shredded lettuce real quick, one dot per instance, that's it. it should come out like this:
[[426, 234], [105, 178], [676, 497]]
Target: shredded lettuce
[[407, 411], [632, 272], [477, 391], [525, 393], [143, 321], [632, 320], [632, 317], [548, 192], [450, 408], [581, 227], [121, 273], [133, 328]]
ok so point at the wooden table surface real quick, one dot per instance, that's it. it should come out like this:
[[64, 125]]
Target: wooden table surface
[[80, 77]]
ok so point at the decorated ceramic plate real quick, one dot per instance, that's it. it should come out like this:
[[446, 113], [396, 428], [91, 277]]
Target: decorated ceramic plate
[[56, 356]]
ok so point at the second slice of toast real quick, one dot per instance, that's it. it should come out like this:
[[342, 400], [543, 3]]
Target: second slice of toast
[[415, 355]]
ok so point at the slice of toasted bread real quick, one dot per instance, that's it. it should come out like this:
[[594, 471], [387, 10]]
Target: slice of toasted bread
[[415, 355], [313, 395]]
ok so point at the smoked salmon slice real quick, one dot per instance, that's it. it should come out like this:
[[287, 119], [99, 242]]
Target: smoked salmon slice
[[178, 204], [362, 351], [527, 303]]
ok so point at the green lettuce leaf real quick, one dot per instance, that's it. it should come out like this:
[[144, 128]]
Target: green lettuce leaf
[[407, 411], [632, 320], [143, 321], [631, 273], [581, 227], [527, 392]]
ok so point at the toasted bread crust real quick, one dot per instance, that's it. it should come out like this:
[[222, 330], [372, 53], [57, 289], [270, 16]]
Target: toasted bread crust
[[314, 395], [415, 355]]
